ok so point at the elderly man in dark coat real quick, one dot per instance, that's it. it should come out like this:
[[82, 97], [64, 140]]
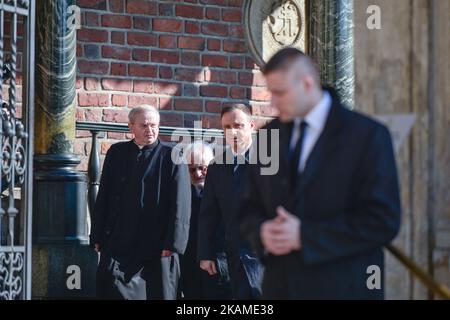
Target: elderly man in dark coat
[[140, 222]]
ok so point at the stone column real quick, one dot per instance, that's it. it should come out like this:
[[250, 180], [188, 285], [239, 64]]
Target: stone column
[[59, 222], [331, 45]]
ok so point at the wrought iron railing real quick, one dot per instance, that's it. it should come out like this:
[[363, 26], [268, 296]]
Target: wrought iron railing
[[440, 290], [16, 149]]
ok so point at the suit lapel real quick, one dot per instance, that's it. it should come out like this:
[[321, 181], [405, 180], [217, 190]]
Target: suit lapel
[[325, 145]]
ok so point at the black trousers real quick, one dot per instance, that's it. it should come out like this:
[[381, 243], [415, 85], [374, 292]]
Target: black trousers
[[240, 286]]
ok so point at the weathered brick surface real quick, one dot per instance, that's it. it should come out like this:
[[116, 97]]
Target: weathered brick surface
[[188, 58]]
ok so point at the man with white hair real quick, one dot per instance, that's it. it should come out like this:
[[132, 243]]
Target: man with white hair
[[140, 220], [195, 282]]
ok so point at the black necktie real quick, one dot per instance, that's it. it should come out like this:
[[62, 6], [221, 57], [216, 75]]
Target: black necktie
[[296, 154]]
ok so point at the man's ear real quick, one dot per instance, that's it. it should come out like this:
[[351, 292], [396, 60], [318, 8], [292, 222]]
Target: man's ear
[[130, 126]]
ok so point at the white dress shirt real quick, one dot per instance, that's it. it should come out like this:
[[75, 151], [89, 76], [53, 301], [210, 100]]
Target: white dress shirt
[[315, 120]]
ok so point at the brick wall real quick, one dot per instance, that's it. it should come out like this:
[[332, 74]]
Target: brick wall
[[188, 58]]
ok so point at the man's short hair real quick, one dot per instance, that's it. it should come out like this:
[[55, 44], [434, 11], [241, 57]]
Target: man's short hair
[[237, 106], [282, 60], [145, 108]]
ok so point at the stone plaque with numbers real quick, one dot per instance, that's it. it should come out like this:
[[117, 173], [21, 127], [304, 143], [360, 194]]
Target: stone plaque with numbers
[[274, 24]]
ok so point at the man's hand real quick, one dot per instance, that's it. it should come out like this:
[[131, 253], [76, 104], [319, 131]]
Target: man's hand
[[166, 253], [209, 266], [281, 235], [97, 247]]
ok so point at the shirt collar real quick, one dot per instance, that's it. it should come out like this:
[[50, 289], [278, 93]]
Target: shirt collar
[[146, 147], [317, 117], [244, 153]]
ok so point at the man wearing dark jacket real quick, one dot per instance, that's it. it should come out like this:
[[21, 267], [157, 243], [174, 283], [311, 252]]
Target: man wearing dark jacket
[[140, 221], [220, 202], [321, 222], [195, 282]]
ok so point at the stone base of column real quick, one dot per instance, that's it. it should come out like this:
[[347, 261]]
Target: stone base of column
[[59, 201], [64, 272]]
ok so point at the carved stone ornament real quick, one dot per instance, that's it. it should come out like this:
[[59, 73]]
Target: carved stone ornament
[[274, 24]]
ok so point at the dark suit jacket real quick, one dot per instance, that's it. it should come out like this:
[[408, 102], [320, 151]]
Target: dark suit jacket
[[220, 202], [165, 211], [347, 199]]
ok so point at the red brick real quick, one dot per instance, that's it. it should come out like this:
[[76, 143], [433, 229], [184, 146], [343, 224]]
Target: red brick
[[170, 57], [190, 59], [194, 105], [115, 115], [192, 12], [236, 31], [170, 88], [119, 53], [92, 35], [82, 134], [143, 86], [212, 13], [119, 100], [117, 85], [215, 60], [189, 75], [192, 27], [264, 110], [139, 70], [79, 50], [105, 147], [213, 106], [80, 114], [115, 135], [214, 44], [167, 25], [91, 84], [246, 78], [226, 77], [78, 147], [171, 119], [167, 42], [99, 4], [136, 100], [234, 46], [92, 67], [141, 7], [213, 91], [209, 122], [235, 3], [140, 54], [116, 21], [250, 63], [118, 69], [94, 115], [141, 39], [79, 83], [91, 19], [259, 94], [116, 6], [165, 103], [237, 62], [214, 2], [117, 37], [238, 93], [192, 43], [259, 79], [215, 29], [93, 99], [142, 23], [231, 15], [165, 72]]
